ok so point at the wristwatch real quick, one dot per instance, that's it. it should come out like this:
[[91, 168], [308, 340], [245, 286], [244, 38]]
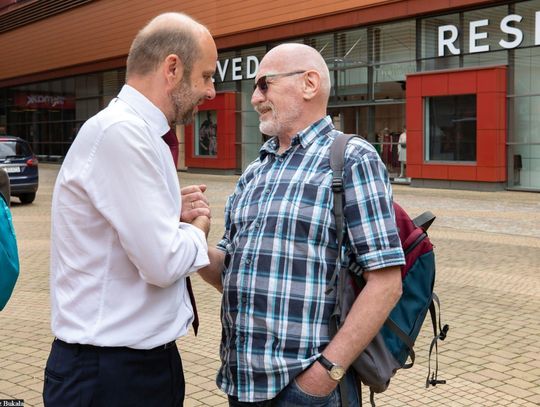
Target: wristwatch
[[335, 372]]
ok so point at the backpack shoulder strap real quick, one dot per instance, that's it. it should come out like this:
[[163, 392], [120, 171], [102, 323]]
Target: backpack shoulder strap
[[337, 163], [337, 153]]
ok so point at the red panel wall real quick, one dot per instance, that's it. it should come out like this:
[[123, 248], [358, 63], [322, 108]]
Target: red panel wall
[[489, 85], [225, 105]]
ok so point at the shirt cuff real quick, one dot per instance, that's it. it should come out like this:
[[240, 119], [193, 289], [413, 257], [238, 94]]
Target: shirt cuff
[[222, 245], [201, 246], [379, 259]]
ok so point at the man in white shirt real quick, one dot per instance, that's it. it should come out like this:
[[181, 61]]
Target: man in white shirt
[[125, 237]]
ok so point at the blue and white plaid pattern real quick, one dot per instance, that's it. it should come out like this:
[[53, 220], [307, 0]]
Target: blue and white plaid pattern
[[281, 247]]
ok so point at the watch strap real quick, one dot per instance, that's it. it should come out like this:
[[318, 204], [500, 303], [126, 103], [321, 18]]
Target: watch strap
[[325, 362]]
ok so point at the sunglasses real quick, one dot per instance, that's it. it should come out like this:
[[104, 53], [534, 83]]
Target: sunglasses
[[262, 82]]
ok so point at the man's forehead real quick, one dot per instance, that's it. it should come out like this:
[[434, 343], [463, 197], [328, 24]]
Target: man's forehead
[[271, 66]]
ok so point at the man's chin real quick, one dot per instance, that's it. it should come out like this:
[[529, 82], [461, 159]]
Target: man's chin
[[270, 131], [187, 118]]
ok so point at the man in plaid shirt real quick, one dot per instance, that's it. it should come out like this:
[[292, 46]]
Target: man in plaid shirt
[[277, 256]]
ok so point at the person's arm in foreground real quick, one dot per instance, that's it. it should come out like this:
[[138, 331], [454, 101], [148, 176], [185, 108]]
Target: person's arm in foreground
[[367, 315], [212, 273]]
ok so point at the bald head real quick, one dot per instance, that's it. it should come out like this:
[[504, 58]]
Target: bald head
[[168, 33], [294, 57]]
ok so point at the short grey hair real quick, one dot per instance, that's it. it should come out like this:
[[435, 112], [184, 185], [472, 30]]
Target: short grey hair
[[164, 35]]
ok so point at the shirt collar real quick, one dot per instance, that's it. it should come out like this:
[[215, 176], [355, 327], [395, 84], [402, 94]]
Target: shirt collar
[[304, 137], [149, 112]]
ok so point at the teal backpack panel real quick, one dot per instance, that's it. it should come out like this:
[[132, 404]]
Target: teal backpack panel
[[9, 255], [411, 310]]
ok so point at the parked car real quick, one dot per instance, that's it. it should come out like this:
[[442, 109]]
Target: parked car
[[18, 160]]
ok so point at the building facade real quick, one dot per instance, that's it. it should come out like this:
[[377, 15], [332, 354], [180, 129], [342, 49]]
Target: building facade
[[463, 78]]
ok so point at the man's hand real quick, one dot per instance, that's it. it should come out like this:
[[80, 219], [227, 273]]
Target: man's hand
[[194, 203], [316, 381]]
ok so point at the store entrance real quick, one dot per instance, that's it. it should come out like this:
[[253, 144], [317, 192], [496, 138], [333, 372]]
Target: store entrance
[[379, 123]]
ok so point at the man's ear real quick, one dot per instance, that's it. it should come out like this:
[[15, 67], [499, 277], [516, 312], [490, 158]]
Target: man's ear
[[173, 69], [311, 84]]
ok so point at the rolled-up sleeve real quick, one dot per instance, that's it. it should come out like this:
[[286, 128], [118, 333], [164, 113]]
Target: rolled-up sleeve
[[369, 212]]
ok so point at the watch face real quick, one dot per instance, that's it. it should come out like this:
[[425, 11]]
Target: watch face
[[337, 373]]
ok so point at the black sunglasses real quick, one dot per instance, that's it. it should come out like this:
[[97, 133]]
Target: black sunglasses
[[262, 82]]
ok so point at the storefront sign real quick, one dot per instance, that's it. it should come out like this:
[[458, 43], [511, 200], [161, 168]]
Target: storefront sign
[[511, 35], [249, 65], [43, 101]]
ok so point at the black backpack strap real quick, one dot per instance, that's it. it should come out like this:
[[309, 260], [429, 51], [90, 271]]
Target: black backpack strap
[[437, 335], [337, 163]]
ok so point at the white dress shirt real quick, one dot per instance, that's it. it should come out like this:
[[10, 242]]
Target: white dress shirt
[[119, 254]]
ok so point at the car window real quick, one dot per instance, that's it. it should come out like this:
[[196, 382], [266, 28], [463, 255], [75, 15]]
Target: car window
[[14, 149]]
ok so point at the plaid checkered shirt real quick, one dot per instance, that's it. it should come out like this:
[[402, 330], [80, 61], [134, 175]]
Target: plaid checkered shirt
[[281, 248]]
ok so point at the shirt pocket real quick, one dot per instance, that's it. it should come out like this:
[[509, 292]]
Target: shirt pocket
[[310, 206], [304, 195]]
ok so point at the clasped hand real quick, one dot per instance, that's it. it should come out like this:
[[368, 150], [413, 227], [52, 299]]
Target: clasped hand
[[195, 207]]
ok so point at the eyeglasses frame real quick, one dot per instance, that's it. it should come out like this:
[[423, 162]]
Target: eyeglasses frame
[[264, 78]]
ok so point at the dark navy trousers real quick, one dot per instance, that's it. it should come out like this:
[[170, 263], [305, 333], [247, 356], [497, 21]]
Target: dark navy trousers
[[91, 376]]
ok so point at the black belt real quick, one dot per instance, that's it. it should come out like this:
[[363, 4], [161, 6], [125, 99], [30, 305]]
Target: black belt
[[79, 347]]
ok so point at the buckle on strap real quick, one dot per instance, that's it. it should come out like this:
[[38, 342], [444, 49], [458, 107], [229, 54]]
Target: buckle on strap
[[337, 184]]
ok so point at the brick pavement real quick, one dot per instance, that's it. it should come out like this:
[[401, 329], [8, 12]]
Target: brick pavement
[[488, 256]]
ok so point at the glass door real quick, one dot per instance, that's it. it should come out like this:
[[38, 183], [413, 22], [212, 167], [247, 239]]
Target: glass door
[[379, 123]]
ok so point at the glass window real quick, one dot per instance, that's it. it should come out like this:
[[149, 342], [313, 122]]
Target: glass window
[[348, 69], [395, 42], [526, 71], [392, 54], [352, 83], [450, 128], [525, 119], [389, 80], [430, 38], [527, 10], [351, 47], [324, 44], [486, 59], [482, 30]]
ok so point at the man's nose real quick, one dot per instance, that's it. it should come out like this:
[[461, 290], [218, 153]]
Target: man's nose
[[257, 96], [211, 92]]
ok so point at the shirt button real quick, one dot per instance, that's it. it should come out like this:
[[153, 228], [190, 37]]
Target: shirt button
[[257, 225], [244, 299], [266, 191], [248, 261], [242, 338]]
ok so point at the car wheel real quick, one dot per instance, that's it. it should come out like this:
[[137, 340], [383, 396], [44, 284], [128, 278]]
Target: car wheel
[[27, 198]]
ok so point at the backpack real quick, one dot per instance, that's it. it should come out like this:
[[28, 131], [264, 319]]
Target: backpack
[[9, 257], [393, 345]]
